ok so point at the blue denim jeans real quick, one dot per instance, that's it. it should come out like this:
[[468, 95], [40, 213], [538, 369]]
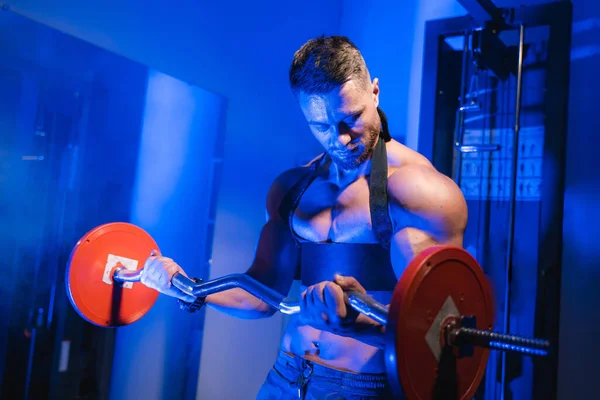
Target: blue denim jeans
[[293, 377]]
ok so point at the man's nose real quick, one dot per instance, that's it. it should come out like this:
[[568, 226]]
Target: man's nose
[[344, 134]]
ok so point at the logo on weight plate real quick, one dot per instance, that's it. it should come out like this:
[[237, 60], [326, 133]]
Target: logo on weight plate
[[112, 261], [432, 337]]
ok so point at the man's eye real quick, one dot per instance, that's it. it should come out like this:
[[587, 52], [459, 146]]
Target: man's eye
[[353, 118]]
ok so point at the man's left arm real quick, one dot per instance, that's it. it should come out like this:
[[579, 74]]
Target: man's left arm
[[427, 209]]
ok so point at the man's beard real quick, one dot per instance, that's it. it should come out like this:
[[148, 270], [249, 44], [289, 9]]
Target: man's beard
[[349, 160]]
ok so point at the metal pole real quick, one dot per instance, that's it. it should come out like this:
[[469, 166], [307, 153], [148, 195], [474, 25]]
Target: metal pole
[[513, 198], [460, 114]]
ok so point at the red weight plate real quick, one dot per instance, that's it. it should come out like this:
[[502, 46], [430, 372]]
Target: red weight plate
[[89, 275], [441, 282]]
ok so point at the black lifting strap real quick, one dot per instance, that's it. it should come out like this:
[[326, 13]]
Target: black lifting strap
[[292, 197], [378, 198]]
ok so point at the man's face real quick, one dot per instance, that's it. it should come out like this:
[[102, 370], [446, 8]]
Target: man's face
[[345, 121]]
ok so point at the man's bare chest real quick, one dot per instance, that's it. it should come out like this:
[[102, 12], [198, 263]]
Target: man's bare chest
[[327, 212]]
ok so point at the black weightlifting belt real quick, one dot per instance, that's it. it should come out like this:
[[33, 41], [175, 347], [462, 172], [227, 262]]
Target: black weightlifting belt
[[369, 263]]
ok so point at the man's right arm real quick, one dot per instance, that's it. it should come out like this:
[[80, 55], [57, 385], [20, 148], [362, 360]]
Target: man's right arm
[[275, 261]]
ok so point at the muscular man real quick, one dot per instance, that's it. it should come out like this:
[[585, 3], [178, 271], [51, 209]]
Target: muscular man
[[352, 219]]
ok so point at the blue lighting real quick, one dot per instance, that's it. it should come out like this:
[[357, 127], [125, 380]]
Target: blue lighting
[[520, 349]]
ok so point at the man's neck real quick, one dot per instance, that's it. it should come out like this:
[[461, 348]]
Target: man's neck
[[342, 177]]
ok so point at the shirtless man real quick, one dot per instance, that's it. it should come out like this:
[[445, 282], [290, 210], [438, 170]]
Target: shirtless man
[[352, 219]]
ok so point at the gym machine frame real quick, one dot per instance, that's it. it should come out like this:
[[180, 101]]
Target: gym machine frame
[[440, 98]]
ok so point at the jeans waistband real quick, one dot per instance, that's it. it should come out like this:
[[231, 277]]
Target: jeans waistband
[[292, 366]]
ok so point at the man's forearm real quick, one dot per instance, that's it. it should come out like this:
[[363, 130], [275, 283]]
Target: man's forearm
[[239, 303]]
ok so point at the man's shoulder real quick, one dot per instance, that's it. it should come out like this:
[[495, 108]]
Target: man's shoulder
[[425, 192], [410, 174], [416, 184], [284, 182], [291, 176]]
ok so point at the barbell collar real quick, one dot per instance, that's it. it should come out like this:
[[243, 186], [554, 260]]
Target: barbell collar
[[123, 275]]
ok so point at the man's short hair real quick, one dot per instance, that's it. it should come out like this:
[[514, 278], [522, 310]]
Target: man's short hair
[[325, 63]]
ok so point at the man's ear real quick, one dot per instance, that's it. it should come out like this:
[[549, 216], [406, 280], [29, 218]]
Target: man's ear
[[376, 91]]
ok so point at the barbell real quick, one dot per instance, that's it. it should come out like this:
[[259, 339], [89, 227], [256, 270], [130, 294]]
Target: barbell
[[438, 325]]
